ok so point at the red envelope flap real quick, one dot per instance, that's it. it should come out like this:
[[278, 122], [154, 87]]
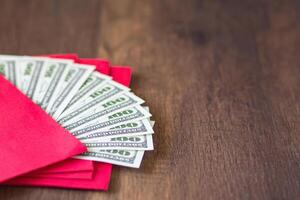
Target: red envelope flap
[[102, 170], [29, 137], [71, 56], [67, 166], [88, 175], [121, 74], [100, 180]]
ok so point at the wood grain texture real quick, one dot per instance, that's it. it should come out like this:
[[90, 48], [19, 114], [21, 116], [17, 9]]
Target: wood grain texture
[[221, 79]]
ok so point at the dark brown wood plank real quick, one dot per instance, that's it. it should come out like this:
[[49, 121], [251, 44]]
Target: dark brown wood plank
[[221, 79], [39, 27]]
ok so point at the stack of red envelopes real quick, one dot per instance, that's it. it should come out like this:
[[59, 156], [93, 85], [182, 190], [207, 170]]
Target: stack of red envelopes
[[36, 150]]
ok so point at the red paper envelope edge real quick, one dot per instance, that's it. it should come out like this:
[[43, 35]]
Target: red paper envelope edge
[[29, 137], [71, 56], [73, 175], [102, 171], [66, 166], [125, 78], [100, 180]]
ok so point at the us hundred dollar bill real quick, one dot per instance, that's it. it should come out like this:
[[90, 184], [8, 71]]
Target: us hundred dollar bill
[[49, 77], [104, 107], [115, 118], [28, 72], [70, 84], [7, 69], [138, 142], [127, 129], [118, 157], [131, 142], [94, 97], [94, 80], [10, 68]]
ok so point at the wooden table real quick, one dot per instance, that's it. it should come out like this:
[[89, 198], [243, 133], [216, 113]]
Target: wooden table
[[221, 79]]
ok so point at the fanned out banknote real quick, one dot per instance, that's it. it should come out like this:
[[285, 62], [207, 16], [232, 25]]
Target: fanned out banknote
[[104, 115]]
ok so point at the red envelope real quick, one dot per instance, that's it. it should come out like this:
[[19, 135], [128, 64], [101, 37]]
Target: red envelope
[[101, 66], [72, 175], [66, 166], [69, 165], [102, 171], [100, 180], [29, 137], [71, 56], [121, 74]]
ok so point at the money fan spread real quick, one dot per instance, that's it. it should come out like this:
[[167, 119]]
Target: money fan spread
[[104, 115]]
